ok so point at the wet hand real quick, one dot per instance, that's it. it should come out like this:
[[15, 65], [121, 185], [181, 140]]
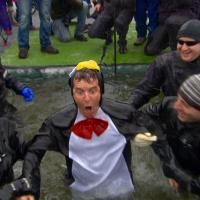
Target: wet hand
[[27, 93], [144, 139]]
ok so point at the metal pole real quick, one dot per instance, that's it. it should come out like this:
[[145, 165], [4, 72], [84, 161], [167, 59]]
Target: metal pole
[[115, 46], [115, 51]]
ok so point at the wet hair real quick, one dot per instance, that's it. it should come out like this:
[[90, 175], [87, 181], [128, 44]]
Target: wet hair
[[88, 74]]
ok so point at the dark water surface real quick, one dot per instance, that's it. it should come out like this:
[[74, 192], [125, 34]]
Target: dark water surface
[[53, 94]]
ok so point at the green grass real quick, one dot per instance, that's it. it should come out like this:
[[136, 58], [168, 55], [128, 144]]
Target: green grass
[[73, 52]]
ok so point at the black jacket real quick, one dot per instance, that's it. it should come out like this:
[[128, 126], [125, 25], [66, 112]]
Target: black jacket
[[179, 147], [12, 149], [188, 8], [166, 74], [55, 133], [60, 8]]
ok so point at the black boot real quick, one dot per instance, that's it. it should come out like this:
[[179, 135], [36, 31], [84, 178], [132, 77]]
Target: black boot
[[108, 37], [122, 46]]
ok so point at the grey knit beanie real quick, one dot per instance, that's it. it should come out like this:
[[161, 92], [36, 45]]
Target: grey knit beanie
[[190, 91], [190, 29]]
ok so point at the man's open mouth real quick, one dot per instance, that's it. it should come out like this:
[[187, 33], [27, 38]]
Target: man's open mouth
[[88, 107]]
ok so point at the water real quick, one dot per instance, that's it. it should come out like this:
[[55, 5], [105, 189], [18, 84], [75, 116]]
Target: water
[[51, 95]]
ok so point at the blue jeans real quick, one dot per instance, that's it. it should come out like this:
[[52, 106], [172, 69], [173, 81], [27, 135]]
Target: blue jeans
[[44, 8], [17, 15], [144, 9], [81, 15]]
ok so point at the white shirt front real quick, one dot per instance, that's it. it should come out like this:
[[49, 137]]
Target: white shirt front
[[99, 168]]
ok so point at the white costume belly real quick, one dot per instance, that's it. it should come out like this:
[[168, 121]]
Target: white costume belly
[[99, 167]]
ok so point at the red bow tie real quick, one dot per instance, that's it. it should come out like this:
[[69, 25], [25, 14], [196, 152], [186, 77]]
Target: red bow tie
[[85, 128]]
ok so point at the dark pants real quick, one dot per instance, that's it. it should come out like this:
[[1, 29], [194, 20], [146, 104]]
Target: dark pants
[[144, 9], [109, 17]]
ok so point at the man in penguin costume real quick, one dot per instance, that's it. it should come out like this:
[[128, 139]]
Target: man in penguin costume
[[94, 135]]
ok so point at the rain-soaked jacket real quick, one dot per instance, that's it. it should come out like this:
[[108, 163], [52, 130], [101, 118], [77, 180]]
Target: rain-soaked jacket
[[55, 133], [166, 74], [12, 148], [179, 147], [7, 81]]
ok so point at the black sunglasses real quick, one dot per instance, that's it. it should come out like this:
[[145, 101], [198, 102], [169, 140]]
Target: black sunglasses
[[188, 43]]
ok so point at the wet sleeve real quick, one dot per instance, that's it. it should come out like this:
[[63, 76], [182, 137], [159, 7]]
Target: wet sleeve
[[152, 113], [36, 150], [194, 186], [151, 125], [153, 110], [160, 110], [170, 166], [149, 87], [13, 139], [41, 143], [161, 148], [12, 83], [17, 142]]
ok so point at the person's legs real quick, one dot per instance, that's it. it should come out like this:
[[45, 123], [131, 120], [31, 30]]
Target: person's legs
[[24, 11], [140, 19], [157, 41], [81, 15], [101, 27], [122, 24], [17, 17], [60, 30], [152, 10], [45, 26]]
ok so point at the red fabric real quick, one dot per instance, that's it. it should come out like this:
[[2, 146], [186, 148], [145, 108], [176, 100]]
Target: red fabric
[[85, 128]]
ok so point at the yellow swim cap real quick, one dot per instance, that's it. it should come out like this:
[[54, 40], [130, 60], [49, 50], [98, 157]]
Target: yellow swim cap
[[90, 64]]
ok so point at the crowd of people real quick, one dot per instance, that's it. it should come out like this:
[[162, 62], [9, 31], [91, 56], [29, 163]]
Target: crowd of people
[[156, 21], [94, 133]]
